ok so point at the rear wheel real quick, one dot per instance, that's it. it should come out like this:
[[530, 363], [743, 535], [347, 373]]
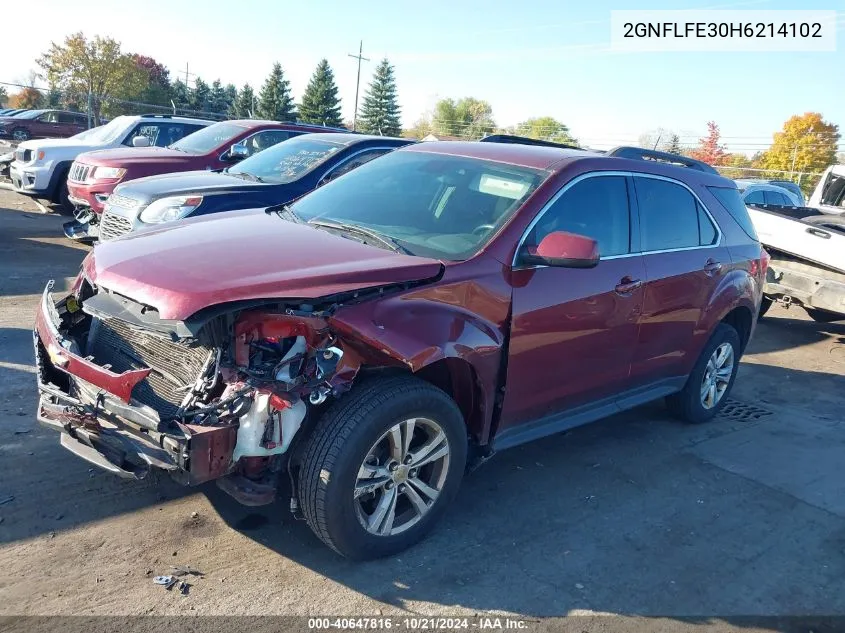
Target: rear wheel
[[765, 304], [823, 316], [711, 380], [381, 466]]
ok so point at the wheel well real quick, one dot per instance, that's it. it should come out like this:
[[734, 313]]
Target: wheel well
[[457, 378], [740, 319]]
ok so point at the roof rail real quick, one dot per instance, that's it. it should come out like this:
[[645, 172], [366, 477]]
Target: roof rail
[[523, 140], [160, 116], [639, 153]]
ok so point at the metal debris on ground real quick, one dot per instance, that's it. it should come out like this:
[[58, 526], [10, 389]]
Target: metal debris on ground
[[166, 581], [184, 587], [186, 570], [23, 431], [8, 499]]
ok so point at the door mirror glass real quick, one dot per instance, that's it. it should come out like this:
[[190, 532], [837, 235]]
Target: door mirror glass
[[140, 141], [562, 249], [237, 152]]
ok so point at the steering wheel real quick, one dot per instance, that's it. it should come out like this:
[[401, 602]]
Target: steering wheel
[[480, 229]]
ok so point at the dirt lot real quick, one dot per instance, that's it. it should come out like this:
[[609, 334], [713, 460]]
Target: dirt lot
[[637, 514]]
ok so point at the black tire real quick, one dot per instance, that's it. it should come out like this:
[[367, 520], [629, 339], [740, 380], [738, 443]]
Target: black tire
[[339, 444], [64, 205], [686, 404], [823, 316], [765, 304], [19, 135]]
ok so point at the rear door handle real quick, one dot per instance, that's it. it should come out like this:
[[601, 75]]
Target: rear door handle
[[819, 233], [712, 267], [627, 285]]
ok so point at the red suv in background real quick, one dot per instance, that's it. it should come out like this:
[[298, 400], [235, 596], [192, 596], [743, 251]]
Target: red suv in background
[[43, 124], [369, 339], [94, 175]]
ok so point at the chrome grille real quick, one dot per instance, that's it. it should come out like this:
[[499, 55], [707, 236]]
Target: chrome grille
[[116, 200], [175, 365], [113, 225], [78, 172], [23, 155]]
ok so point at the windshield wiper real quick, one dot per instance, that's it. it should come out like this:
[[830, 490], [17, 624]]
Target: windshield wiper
[[355, 229], [285, 212], [246, 176]]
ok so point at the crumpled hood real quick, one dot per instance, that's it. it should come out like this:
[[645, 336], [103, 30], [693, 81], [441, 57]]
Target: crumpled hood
[[243, 255]]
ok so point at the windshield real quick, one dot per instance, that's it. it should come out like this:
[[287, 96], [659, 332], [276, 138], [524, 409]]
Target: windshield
[[288, 160], [28, 115], [104, 133], [430, 204], [209, 138]]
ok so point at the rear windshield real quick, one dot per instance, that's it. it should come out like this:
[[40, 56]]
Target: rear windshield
[[734, 205], [207, 139]]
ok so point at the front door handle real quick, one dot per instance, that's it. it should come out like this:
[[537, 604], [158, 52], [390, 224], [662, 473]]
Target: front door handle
[[712, 267], [627, 285], [819, 233]]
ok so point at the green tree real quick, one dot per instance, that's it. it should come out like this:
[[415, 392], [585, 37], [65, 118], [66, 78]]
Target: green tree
[[157, 89], [275, 101], [807, 143], [200, 96], [97, 67], [545, 128], [320, 103], [54, 98], [179, 94], [674, 145], [217, 99], [468, 117], [231, 97], [245, 103], [380, 112], [736, 166]]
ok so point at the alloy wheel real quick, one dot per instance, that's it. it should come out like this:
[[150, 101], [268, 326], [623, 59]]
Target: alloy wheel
[[717, 375], [402, 476]]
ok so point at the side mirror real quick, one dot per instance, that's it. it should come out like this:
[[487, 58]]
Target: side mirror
[[564, 250], [140, 141], [238, 151]]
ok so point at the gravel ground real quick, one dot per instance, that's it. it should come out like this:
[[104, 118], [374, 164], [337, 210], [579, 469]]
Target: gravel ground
[[635, 515]]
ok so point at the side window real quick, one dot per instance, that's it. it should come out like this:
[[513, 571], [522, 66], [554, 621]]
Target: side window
[[67, 117], [729, 198], [48, 117], [265, 139], [669, 215], [775, 197], [150, 130], [169, 133], [755, 197], [706, 231], [596, 207], [352, 163]]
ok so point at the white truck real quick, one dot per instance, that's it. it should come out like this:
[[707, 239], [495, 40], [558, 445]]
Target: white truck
[[40, 167], [807, 249]]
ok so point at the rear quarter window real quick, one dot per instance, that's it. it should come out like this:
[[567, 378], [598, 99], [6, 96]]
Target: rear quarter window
[[731, 200]]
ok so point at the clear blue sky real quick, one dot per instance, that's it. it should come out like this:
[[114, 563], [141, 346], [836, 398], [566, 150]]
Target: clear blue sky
[[528, 58]]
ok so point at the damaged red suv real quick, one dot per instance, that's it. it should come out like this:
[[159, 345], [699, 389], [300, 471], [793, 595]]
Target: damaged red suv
[[380, 335]]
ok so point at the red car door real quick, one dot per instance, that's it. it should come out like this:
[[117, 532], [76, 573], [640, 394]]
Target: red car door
[[684, 264], [43, 125], [573, 330]]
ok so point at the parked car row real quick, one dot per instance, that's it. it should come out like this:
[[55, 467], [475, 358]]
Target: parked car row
[[22, 126], [371, 317]]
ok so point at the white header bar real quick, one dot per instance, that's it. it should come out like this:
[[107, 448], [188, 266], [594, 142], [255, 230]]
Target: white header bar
[[723, 31]]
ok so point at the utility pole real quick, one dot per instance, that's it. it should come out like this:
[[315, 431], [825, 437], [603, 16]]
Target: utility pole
[[795, 155], [360, 58], [187, 74]]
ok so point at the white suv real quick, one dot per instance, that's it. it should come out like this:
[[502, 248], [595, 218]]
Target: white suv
[[41, 166]]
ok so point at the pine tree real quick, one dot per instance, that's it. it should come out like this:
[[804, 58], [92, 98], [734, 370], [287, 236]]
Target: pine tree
[[179, 94], [380, 111], [231, 98], [244, 106], [217, 98], [320, 103], [275, 101], [674, 145], [199, 100]]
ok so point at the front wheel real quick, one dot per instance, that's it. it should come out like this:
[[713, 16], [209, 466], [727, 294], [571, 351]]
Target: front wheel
[[765, 304], [19, 135], [381, 466], [710, 381]]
